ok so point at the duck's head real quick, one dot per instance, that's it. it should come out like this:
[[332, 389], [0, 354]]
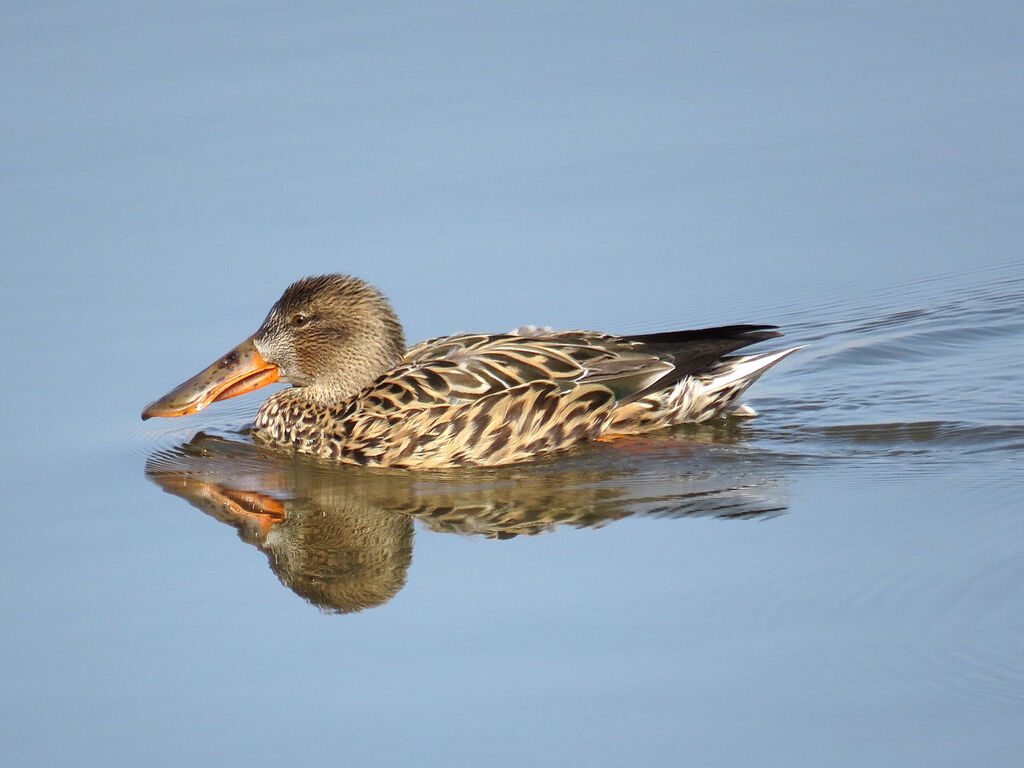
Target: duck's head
[[332, 335]]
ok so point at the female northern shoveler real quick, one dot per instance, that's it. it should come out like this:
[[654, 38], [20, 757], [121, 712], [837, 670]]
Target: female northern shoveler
[[361, 397]]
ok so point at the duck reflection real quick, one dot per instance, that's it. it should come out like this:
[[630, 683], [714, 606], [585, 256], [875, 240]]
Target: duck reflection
[[341, 536]]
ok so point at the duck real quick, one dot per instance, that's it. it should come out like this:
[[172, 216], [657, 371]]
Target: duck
[[359, 395]]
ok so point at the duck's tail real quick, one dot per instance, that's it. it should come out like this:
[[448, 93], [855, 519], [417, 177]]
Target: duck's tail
[[719, 387]]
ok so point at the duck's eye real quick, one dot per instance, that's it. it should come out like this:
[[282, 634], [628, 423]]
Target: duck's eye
[[299, 320]]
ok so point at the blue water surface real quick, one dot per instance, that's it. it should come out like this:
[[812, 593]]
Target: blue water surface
[[837, 582]]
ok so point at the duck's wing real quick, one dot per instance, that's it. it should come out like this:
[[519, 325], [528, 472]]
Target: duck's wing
[[464, 367]]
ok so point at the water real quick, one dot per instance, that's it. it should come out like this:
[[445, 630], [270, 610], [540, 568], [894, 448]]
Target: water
[[835, 582]]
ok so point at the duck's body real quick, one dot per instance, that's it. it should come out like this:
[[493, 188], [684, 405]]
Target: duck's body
[[500, 399], [361, 398]]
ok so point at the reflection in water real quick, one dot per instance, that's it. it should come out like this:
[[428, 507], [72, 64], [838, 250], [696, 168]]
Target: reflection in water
[[341, 536]]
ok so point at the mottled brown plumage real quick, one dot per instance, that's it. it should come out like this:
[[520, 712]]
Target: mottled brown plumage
[[467, 399]]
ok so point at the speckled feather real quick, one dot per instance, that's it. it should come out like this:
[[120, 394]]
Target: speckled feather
[[506, 398]]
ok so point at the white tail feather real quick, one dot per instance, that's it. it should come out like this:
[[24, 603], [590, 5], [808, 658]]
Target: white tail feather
[[702, 397], [743, 368]]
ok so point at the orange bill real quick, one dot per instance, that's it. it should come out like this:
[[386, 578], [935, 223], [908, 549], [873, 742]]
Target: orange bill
[[241, 370]]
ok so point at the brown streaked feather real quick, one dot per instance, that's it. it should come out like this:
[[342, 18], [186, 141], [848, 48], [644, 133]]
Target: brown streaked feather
[[486, 364], [497, 399], [503, 427]]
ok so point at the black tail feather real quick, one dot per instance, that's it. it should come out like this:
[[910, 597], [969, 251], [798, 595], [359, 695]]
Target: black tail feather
[[696, 349], [751, 334]]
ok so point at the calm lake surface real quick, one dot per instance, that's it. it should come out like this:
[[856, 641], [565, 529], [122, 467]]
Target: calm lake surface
[[836, 582]]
